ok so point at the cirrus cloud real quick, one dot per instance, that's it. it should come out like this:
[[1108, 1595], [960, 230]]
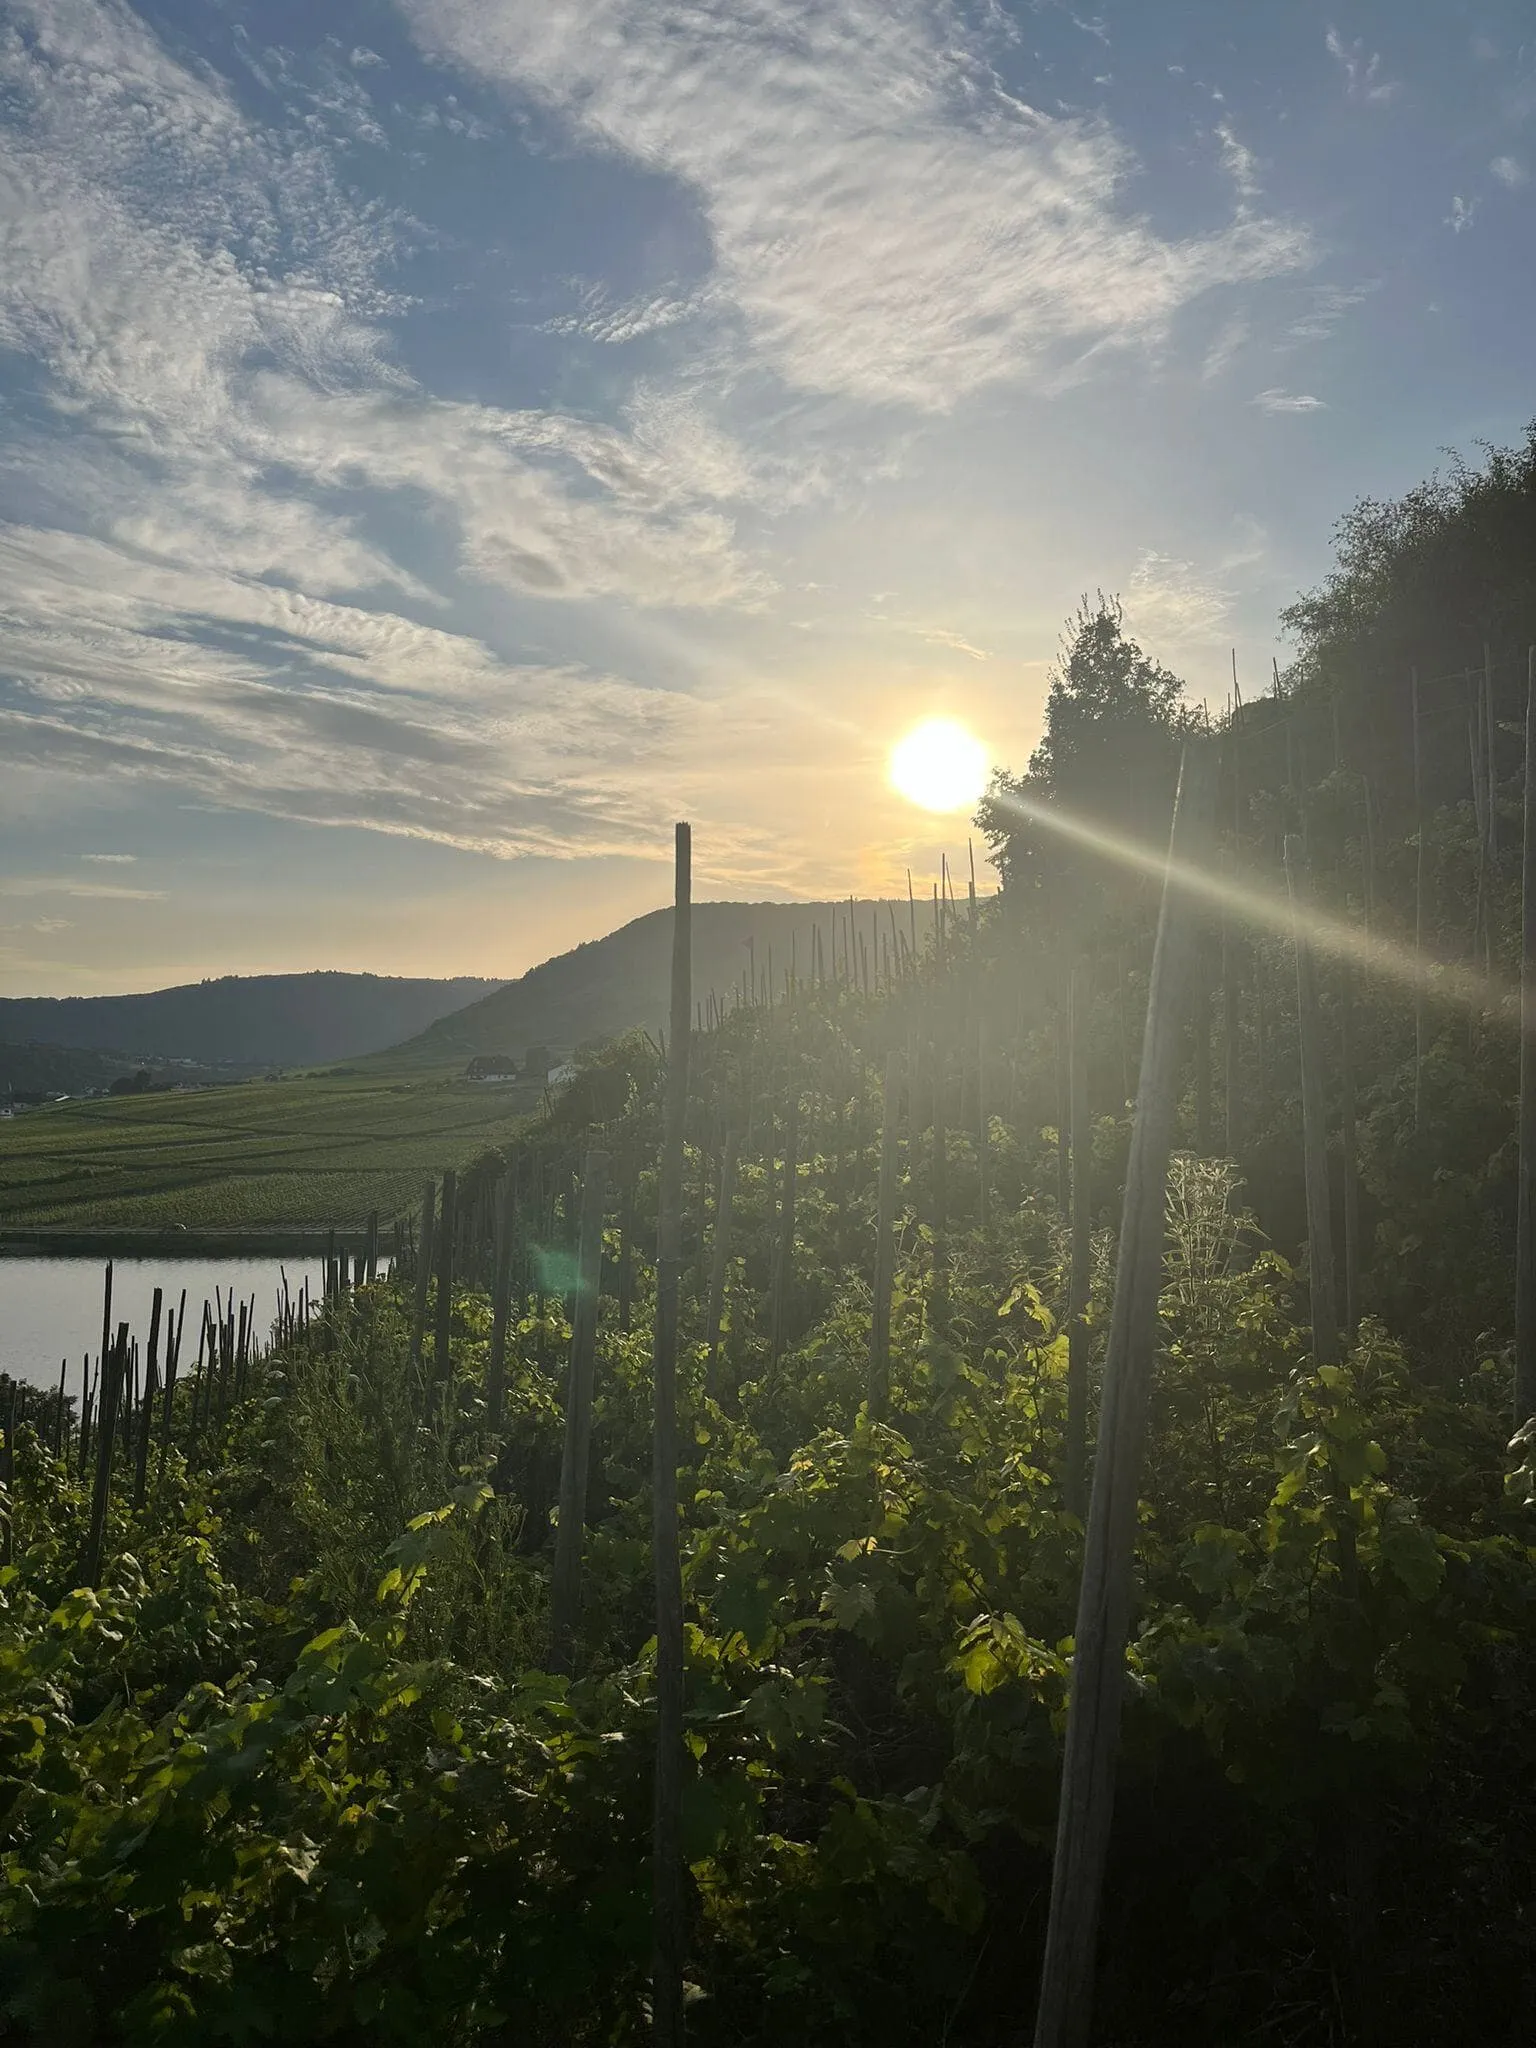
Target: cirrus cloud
[[889, 223]]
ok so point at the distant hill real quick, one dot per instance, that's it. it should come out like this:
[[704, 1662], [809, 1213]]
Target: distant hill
[[258, 1020], [622, 982], [27, 1070]]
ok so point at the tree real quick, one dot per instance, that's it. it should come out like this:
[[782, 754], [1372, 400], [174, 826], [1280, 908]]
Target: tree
[[1428, 581], [1108, 760]]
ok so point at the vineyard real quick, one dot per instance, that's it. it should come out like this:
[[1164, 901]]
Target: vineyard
[[309, 1152], [966, 1495]]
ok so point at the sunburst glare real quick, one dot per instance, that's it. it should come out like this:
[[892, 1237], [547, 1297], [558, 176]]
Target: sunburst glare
[[939, 765]]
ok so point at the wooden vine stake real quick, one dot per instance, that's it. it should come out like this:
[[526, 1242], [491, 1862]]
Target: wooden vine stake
[[720, 1261], [1525, 1253], [423, 1275], [878, 1392], [666, 1838], [1104, 1598], [1076, 1488], [1418, 911], [442, 1356], [114, 1371], [1314, 1123], [565, 1590], [501, 1304]]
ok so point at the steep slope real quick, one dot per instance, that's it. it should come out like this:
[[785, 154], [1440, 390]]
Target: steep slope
[[620, 982], [267, 1020]]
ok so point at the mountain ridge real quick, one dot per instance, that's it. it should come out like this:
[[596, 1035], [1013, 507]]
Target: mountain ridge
[[622, 981], [256, 1020]]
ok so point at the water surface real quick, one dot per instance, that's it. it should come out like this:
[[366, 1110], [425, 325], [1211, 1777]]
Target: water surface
[[50, 1308]]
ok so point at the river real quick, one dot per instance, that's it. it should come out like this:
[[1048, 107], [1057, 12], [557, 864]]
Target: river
[[50, 1308]]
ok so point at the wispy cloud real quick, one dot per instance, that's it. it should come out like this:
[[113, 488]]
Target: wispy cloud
[[112, 860], [1173, 606], [1462, 214], [1326, 307], [888, 223], [935, 636], [1277, 401], [1225, 347], [72, 886], [1239, 163], [1510, 171], [147, 266], [1363, 79]]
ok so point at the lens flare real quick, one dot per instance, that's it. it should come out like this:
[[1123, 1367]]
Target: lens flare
[[939, 766], [1271, 910]]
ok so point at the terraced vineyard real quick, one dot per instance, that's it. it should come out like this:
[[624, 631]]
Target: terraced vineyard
[[313, 1151]]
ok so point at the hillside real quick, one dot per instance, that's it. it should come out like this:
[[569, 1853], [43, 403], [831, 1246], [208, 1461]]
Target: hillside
[[259, 1020], [260, 1157], [33, 1069], [620, 982]]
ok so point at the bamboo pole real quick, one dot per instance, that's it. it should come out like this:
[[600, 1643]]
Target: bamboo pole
[[1314, 1121], [565, 1585], [878, 1392], [666, 1839], [1525, 1252], [1104, 1598], [1076, 1477]]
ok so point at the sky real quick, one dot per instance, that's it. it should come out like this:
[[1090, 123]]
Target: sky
[[443, 442]]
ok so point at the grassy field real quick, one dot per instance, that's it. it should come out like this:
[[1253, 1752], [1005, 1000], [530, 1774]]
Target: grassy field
[[307, 1152]]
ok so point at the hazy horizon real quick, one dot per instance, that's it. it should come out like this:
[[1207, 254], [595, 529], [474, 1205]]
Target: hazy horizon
[[446, 441]]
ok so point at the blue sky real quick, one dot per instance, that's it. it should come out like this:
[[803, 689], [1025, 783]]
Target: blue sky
[[442, 442]]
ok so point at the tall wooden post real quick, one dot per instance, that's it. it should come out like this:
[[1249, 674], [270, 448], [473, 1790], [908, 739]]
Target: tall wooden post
[[1076, 1476], [1525, 1253], [565, 1587], [1104, 1599], [666, 1837], [1314, 1124], [878, 1392]]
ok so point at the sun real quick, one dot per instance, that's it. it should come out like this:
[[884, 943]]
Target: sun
[[940, 766]]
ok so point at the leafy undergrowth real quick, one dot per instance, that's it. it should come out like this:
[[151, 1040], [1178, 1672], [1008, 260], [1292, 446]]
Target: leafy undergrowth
[[296, 1773]]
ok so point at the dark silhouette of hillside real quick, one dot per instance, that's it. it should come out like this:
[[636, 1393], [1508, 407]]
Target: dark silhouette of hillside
[[620, 983], [259, 1020]]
